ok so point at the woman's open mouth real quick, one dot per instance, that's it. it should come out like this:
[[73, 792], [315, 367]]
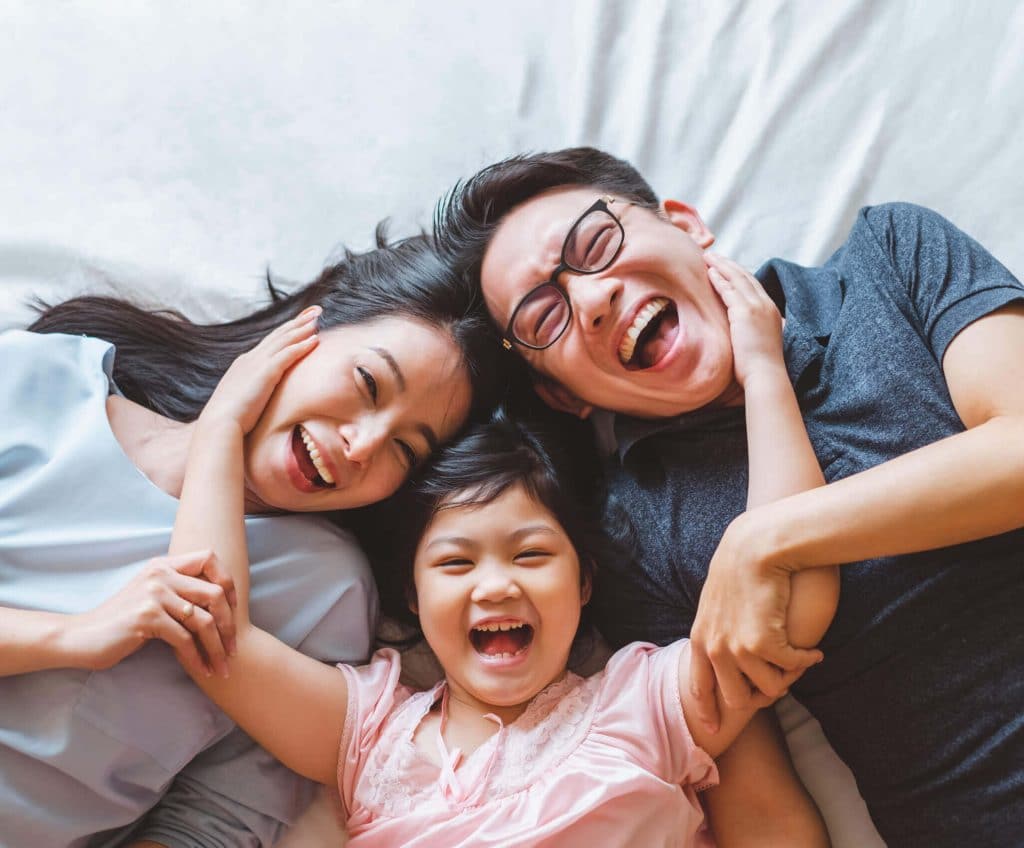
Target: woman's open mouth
[[307, 457], [501, 641], [650, 336]]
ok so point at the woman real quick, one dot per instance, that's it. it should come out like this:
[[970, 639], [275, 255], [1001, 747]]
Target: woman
[[100, 740]]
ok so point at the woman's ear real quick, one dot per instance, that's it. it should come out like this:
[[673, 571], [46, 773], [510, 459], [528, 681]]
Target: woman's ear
[[410, 600], [558, 397], [688, 219]]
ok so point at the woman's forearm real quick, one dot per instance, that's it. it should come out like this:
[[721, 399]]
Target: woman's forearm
[[32, 640], [965, 487]]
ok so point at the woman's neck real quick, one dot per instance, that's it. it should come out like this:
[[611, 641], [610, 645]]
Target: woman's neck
[[156, 445]]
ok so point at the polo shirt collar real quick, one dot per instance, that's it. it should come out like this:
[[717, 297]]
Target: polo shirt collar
[[810, 299]]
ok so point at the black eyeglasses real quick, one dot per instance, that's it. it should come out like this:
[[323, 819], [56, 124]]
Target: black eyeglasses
[[593, 243]]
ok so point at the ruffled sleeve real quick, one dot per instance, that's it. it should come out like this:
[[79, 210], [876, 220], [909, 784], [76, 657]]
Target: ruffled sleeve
[[640, 710], [374, 692]]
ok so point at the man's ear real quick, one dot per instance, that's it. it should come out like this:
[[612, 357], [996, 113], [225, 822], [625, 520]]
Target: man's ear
[[688, 219], [558, 397]]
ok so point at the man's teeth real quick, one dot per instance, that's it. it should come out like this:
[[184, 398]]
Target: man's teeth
[[494, 628], [314, 455], [644, 317]]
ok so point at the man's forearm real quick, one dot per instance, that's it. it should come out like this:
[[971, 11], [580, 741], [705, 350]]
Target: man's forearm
[[962, 488]]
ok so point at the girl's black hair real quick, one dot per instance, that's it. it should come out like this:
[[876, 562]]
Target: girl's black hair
[[171, 365], [553, 460]]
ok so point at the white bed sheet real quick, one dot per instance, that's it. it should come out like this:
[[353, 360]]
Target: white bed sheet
[[176, 150]]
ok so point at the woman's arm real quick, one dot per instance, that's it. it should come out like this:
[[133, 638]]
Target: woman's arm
[[292, 705], [149, 607]]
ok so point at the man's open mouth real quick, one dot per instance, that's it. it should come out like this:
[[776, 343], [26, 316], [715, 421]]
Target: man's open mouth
[[501, 641], [307, 456], [650, 336]]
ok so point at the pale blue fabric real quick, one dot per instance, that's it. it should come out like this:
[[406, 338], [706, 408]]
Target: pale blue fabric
[[89, 754]]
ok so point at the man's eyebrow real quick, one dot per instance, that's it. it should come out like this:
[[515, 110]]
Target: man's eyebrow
[[385, 354]]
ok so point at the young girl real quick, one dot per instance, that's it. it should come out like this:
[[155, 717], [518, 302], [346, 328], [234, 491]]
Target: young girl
[[510, 748]]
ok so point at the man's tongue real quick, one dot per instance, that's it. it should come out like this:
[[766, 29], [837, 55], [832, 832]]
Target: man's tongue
[[654, 347]]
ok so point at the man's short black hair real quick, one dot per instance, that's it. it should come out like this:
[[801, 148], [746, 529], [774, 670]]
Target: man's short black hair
[[467, 217]]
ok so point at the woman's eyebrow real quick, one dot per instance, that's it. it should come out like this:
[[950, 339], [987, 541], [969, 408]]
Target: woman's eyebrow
[[424, 429], [385, 354]]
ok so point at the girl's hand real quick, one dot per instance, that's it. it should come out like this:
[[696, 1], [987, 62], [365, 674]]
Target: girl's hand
[[755, 324], [187, 601], [244, 390]]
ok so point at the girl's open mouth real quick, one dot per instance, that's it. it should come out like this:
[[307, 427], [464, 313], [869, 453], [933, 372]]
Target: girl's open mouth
[[501, 641]]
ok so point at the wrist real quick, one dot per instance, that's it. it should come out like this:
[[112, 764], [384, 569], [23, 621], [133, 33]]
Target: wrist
[[763, 534], [60, 640], [767, 377]]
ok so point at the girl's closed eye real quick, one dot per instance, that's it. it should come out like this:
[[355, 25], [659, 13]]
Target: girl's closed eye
[[409, 457], [532, 555]]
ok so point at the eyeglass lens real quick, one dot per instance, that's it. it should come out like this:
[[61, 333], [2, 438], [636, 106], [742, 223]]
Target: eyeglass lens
[[591, 246]]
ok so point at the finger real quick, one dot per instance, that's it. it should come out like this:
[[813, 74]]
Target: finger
[[789, 658], [730, 297], [215, 573], [174, 634], [201, 625], [763, 676], [187, 563], [740, 278], [212, 598], [702, 688], [731, 683]]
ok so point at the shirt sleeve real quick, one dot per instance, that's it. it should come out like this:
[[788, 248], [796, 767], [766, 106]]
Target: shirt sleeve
[[951, 280], [642, 713]]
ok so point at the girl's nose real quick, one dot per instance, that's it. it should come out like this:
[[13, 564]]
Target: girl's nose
[[496, 584]]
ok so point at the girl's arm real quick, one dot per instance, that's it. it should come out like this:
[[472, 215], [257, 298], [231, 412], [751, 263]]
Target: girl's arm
[[782, 463], [291, 704]]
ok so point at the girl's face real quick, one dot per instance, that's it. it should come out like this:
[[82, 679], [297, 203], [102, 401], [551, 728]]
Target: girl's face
[[348, 422], [498, 594]]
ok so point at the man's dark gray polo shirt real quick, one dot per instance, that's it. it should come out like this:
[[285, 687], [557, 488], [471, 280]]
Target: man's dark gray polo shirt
[[922, 688]]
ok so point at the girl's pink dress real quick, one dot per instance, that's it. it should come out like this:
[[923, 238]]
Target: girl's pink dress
[[599, 762]]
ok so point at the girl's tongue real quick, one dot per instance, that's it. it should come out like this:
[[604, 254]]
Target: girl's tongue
[[494, 642]]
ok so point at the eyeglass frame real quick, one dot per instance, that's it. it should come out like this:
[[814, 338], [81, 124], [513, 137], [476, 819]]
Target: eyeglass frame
[[600, 205]]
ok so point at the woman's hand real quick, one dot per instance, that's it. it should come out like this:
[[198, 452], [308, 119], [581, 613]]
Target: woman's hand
[[244, 390], [755, 324], [740, 645], [187, 601]]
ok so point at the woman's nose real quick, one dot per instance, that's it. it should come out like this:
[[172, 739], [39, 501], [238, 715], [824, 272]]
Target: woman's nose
[[361, 441]]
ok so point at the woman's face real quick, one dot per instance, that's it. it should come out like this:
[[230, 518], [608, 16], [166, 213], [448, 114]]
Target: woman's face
[[347, 423], [498, 594]]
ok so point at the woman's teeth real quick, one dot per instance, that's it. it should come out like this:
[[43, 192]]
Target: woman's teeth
[[627, 347], [314, 455]]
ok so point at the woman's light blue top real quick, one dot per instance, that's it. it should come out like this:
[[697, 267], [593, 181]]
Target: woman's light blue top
[[85, 753]]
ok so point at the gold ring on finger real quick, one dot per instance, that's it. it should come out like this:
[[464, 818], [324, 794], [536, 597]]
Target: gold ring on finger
[[187, 609]]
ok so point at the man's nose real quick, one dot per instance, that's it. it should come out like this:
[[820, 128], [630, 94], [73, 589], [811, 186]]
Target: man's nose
[[594, 297]]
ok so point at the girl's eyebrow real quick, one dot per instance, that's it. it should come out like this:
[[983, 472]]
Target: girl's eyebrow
[[530, 529], [461, 541]]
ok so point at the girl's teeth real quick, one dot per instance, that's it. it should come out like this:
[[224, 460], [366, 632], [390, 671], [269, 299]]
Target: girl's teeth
[[314, 455], [494, 628]]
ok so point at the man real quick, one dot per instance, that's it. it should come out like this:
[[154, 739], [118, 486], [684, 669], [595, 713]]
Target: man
[[906, 350]]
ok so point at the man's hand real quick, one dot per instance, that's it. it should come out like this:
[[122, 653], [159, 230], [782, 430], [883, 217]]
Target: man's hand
[[739, 639]]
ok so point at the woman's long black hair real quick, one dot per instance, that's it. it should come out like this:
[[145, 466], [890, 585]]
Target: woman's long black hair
[[171, 365]]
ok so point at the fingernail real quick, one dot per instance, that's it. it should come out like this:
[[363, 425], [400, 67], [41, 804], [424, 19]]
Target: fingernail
[[207, 671], [710, 728], [232, 648]]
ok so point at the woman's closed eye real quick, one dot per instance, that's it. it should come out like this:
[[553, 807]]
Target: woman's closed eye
[[369, 382], [409, 457]]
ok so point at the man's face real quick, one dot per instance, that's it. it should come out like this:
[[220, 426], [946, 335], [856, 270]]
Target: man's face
[[656, 290]]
